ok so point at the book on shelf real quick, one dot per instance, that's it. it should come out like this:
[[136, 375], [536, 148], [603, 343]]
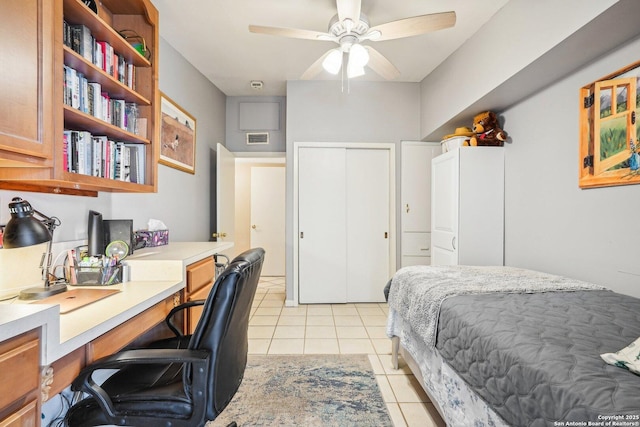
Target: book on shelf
[[137, 162], [89, 98], [95, 100], [99, 156], [82, 41]]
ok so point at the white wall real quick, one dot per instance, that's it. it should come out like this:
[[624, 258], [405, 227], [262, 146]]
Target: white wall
[[318, 111], [551, 224]]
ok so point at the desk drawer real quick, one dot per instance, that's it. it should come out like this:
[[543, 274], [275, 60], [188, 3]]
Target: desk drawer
[[27, 416], [200, 273], [19, 362]]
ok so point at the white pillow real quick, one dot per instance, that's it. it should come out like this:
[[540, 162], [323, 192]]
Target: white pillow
[[627, 358]]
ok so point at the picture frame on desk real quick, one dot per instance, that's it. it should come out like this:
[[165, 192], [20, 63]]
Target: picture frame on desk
[[177, 136]]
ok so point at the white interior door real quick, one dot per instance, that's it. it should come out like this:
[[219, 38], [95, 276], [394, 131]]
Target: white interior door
[[368, 224], [268, 188], [444, 209], [322, 253], [225, 196]]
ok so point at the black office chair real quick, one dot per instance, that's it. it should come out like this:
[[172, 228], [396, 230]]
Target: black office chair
[[182, 381]]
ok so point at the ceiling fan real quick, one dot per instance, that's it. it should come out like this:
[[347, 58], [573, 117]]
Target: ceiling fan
[[349, 28]]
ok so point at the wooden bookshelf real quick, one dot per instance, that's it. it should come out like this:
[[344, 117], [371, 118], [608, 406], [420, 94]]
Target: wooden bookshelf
[[34, 118]]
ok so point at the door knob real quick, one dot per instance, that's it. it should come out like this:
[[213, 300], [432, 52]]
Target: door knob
[[253, 226]]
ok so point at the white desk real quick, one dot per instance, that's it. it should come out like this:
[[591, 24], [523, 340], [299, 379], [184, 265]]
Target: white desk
[[156, 274]]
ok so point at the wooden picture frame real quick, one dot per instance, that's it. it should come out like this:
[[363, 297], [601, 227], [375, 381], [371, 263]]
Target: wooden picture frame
[[177, 136], [610, 130]]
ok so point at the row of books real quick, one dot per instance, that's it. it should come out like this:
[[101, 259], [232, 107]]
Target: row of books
[[99, 53], [89, 98], [99, 156]]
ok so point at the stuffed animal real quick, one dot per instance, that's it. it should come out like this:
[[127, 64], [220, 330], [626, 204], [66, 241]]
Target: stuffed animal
[[487, 130]]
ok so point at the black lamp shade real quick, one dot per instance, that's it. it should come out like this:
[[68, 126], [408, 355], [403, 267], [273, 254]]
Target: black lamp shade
[[23, 229]]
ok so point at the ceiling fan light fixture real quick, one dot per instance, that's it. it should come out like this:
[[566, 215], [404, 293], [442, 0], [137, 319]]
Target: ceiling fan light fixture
[[333, 61], [358, 56]]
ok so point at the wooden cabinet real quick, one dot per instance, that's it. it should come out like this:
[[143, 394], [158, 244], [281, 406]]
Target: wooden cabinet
[[20, 385], [26, 83], [467, 207], [32, 78], [200, 278], [415, 213]]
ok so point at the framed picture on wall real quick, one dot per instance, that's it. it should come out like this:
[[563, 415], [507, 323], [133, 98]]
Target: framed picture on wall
[[610, 130], [177, 136]]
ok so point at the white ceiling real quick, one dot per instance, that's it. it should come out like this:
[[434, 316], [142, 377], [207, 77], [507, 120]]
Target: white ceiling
[[213, 35]]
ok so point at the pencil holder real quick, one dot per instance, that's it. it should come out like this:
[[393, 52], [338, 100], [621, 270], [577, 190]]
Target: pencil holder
[[109, 275]]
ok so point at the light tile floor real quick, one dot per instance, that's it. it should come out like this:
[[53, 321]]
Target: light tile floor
[[338, 329]]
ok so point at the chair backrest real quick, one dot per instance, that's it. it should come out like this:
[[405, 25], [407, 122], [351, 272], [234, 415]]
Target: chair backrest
[[223, 328]]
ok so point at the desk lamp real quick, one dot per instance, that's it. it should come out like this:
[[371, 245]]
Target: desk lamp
[[26, 229]]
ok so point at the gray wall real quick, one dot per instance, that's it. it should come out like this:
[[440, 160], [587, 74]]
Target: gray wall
[[182, 201], [236, 137], [551, 224], [523, 48], [318, 111]]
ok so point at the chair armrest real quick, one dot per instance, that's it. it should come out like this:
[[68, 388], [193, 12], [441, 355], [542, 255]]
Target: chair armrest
[[84, 381], [169, 319]]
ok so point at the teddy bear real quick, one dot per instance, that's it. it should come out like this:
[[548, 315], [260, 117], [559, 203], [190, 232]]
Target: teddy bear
[[487, 130]]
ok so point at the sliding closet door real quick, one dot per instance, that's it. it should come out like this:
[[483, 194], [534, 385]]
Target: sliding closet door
[[322, 254], [367, 224]]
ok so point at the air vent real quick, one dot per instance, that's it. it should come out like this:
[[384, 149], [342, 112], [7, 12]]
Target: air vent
[[257, 138]]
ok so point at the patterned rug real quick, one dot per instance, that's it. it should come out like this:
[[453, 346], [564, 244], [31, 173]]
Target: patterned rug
[[309, 390]]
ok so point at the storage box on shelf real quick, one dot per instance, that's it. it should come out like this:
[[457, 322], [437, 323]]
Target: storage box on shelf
[[48, 160]]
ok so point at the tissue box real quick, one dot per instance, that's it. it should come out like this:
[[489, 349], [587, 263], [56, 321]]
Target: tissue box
[[153, 238]]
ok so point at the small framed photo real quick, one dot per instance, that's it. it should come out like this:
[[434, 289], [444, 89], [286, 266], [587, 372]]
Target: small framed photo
[[177, 136]]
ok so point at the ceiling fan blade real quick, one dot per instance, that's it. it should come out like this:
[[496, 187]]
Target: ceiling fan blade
[[414, 26], [381, 65], [349, 9], [291, 32], [315, 68]]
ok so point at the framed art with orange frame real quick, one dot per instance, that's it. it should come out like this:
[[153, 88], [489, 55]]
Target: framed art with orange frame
[[609, 130], [177, 136]]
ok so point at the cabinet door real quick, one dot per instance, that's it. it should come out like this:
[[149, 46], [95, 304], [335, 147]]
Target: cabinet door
[[416, 185], [444, 209], [322, 253], [196, 312], [481, 206], [26, 75]]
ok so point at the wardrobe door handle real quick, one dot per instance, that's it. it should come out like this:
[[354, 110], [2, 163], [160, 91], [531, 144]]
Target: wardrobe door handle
[[453, 242]]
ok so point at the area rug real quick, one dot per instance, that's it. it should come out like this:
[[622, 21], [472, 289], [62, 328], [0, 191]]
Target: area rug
[[307, 390]]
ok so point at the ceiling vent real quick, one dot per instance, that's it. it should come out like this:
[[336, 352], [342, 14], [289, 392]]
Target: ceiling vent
[[254, 138]]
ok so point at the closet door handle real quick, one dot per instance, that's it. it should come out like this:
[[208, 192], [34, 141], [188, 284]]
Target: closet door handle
[[453, 242]]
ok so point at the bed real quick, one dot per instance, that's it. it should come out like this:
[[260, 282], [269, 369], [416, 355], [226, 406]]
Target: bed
[[503, 346]]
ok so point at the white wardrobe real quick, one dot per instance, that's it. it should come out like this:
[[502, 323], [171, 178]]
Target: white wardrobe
[[467, 209], [415, 209], [344, 223]]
